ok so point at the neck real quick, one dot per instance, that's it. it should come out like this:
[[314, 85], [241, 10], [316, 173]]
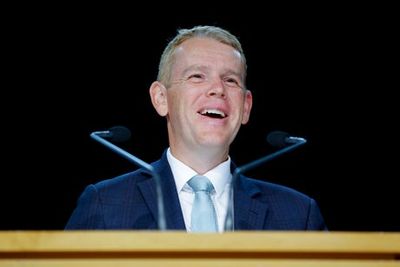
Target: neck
[[201, 160]]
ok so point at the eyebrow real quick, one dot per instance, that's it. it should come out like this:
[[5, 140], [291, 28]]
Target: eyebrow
[[204, 68], [231, 72], [193, 68]]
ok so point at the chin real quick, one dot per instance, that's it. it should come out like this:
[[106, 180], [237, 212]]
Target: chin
[[214, 143]]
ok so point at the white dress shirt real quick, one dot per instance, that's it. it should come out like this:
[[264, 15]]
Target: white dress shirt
[[220, 177]]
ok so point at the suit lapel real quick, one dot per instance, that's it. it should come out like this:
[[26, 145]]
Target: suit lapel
[[250, 213], [147, 188], [173, 212]]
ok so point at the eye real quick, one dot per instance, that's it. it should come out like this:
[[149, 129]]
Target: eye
[[233, 82], [196, 77]]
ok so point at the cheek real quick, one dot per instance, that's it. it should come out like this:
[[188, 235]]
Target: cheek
[[177, 107], [173, 103], [241, 110], [237, 102]]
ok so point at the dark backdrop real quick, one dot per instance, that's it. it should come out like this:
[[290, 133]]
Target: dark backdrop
[[322, 72]]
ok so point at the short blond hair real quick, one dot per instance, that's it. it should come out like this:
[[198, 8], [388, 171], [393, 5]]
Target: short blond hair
[[213, 32]]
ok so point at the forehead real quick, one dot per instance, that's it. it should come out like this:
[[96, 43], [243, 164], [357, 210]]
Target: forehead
[[207, 51]]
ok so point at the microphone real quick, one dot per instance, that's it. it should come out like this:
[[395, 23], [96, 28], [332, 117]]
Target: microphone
[[279, 139], [282, 139], [116, 134], [121, 134]]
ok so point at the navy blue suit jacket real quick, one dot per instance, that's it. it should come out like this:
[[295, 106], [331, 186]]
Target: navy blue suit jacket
[[129, 202]]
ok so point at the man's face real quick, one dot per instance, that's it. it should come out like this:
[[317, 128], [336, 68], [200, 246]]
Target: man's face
[[206, 102]]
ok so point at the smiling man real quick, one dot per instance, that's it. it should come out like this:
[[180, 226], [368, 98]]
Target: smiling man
[[201, 92], [205, 101]]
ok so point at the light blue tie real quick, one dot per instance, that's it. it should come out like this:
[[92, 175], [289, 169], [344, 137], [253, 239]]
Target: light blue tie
[[203, 212]]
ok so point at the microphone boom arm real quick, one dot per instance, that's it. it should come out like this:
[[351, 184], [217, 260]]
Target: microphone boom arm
[[229, 224], [160, 205], [262, 160]]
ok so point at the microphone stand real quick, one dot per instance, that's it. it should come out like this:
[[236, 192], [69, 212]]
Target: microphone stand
[[162, 225], [229, 220]]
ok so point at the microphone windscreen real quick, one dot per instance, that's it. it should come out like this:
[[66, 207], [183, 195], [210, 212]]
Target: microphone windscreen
[[278, 138], [119, 134]]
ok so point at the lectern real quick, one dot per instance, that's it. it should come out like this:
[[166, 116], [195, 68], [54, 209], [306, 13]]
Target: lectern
[[143, 248]]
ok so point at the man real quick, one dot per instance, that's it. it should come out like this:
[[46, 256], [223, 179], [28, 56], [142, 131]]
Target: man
[[201, 91]]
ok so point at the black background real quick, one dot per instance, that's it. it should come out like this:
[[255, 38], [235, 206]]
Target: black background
[[322, 72]]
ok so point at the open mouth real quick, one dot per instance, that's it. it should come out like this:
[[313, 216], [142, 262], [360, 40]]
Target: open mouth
[[213, 113]]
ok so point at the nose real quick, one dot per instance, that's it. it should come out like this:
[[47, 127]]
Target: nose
[[217, 89]]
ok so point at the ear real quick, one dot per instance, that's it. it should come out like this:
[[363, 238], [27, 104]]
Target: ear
[[158, 95], [248, 103]]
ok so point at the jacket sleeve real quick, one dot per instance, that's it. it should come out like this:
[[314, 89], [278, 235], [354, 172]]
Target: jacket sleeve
[[315, 219]]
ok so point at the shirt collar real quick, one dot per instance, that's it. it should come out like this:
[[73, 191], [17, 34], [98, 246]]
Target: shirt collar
[[219, 176]]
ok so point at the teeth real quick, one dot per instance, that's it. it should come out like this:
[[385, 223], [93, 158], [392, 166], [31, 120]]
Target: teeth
[[213, 111]]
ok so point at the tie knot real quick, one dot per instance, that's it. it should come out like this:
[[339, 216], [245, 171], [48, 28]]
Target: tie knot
[[200, 183]]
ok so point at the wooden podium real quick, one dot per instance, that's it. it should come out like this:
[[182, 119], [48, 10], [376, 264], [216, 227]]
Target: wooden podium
[[142, 248]]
